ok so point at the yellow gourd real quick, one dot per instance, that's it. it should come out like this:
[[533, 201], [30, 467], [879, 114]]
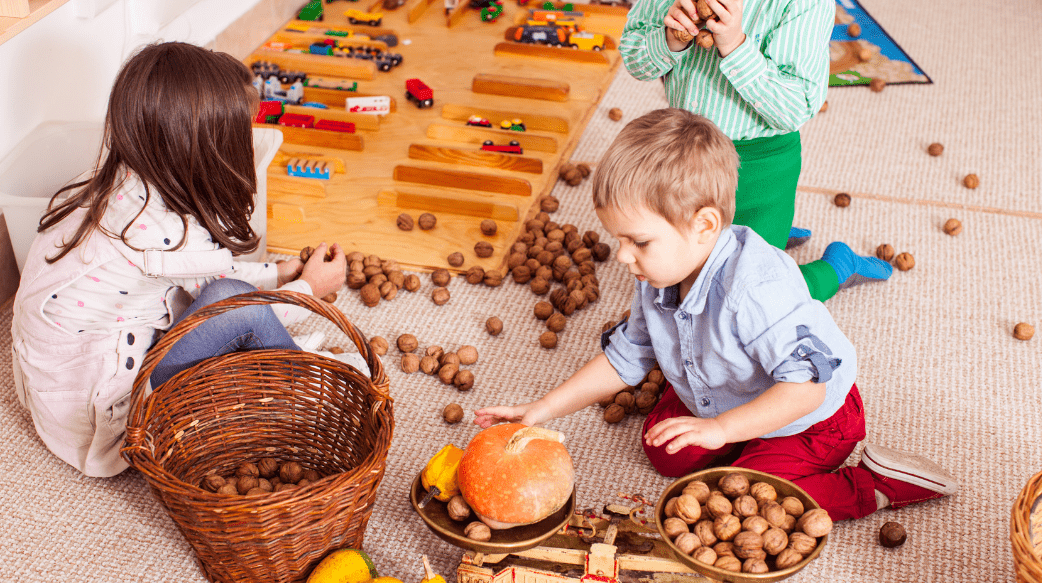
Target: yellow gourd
[[344, 566], [431, 576], [439, 476]]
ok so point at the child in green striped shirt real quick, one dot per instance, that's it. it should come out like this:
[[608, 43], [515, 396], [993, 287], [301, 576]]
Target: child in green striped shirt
[[765, 76]]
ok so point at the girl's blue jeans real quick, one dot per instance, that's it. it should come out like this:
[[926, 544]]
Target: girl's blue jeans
[[245, 328]]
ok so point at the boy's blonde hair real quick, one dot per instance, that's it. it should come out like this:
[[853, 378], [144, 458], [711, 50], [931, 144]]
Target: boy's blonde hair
[[672, 162]]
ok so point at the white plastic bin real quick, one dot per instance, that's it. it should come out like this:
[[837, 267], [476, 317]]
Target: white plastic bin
[[56, 152]]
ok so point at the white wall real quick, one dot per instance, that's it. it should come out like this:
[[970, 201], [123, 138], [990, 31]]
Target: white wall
[[62, 67]]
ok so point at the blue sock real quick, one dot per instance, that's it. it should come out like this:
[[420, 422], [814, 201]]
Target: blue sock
[[797, 237], [853, 269]]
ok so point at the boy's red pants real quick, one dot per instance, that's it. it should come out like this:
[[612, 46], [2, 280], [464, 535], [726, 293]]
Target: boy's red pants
[[809, 459]]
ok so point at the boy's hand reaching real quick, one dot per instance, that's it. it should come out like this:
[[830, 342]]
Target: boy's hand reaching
[[727, 26], [324, 276], [490, 416], [680, 432]]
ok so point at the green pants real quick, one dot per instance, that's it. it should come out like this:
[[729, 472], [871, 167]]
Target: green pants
[[766, 200]]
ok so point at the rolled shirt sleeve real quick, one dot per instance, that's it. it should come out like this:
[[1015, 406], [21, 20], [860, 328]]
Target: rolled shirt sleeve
[[629, 348]]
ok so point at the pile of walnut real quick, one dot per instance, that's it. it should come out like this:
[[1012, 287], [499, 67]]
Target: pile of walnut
[[743, 527], [459, 511], [704, 38], [640, 398], [437, 362], [263, 477], [376, 278], [573, 174]]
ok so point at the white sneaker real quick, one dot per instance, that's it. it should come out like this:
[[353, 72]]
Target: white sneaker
[[311, 341]]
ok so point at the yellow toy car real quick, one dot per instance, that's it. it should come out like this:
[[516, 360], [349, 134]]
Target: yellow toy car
[[358, 17], [589, 41]]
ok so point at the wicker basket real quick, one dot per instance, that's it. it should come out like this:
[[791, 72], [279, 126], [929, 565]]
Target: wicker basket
[[286, 404], [1025, 532]]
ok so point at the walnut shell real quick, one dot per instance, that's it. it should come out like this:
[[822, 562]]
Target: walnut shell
[[698, 489], [548, 339], [627, 401], [674, 527], [453, 413], [455, 259], [757, 566], [793, 506], [410, 363], [458, 508], [494, 326], [478, 531], [464, 380], [355, 280], [429, 364], [488, 227], [407, 343], [483, 249], [1023, 331], [971, 181], [388, 290], [246, 483], [745, 543], [705, 555], [447, 373], [802, 543], [615, 114], [441, 277], [773, 513], [543, 310], [704, 39], [728, 564], [734, 485], [757, 524], [467, 354], [549, 204], [291, 472], [671, 504], [892, 535], [312, 475], [255, 491], [726, 527], [264, 484], [718, 505], [885, 252], [953, 227], [814, 522], [213, 483], [842, 200], [475, 275], [763, 492], [601, 251], [704, 530], [440, 296], [775, 541], [370, 294], [787, 558], [687, 542], [379, 345], [247, 469], [493, 278], [745, 506], [427, 221], [228, 489], [449, 358], [904, 261], [935, 149], [556, 322], [521, 274], [687, 508], [614, 412], [405, 222]]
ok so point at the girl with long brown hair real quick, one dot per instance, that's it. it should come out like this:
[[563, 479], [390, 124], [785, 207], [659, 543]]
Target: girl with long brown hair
[[165, 210]]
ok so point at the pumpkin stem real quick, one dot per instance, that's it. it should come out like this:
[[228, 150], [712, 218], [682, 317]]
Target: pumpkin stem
[[522, 436], [427, 568]]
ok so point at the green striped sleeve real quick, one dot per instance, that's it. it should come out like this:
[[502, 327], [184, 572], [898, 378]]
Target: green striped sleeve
[[642, 45]]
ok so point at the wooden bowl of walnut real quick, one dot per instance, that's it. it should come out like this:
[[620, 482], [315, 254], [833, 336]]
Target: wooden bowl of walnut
[[741, 525], [520, 538]]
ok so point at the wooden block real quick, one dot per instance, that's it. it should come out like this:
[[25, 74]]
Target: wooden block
[[311, 28], [510, 35], [319, 138], [14, 8], [305, 39], [528, 87], [287, 213], [362, 121], [317, 64], [289, 151], [280, 185], [334, 98], [436, 202], [416, 8], [533, 121], [547, 52], [456, 14], [464, 180], [476, 135], [475, 158]]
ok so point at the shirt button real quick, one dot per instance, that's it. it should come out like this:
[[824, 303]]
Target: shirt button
[[734, 71], [757, 105], [687, 363], [683, 315], [705, 401]]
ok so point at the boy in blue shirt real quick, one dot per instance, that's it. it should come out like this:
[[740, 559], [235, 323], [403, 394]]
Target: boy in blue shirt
[[760, 376]]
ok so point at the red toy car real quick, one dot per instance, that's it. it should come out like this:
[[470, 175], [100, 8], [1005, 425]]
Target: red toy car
[[297, 120], [513, 148], [419, 93], [335, 126]]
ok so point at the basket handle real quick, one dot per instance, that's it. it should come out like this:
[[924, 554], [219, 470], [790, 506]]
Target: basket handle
[[138, 442]]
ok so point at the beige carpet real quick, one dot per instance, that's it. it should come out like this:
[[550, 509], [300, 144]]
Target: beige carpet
[[940, 371]]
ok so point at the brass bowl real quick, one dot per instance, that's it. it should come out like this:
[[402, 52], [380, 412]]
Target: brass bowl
[[511, 540], [711, 477]]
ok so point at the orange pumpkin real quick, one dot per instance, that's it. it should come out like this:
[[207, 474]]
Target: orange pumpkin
[[512, 474]]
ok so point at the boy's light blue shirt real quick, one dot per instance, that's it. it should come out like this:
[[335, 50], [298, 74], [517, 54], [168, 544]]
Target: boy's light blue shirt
[[747, 323]]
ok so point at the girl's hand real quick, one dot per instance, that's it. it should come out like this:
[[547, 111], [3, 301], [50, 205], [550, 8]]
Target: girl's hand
[[289, 270], [681, 16], [727, 26], [527, 414], [680, 432], [324, 276]]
